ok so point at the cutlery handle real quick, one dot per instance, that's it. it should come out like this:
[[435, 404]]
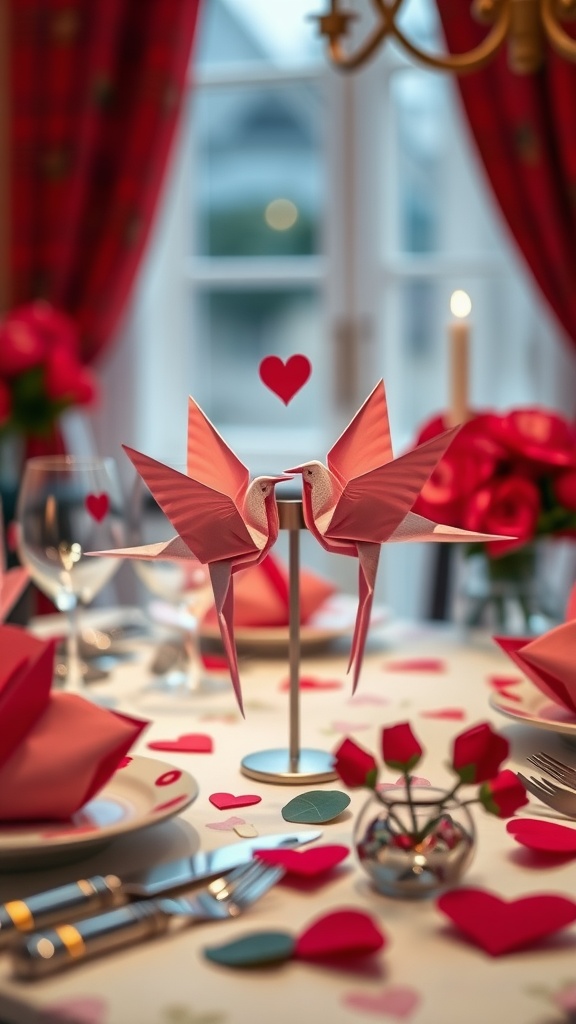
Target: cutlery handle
[[43, 953], [67, 901]]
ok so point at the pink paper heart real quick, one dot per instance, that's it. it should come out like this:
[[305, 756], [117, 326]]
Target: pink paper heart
[[340, 933], [500, 926], [416, 665], [79, 1009], [311, 683], [285, 379], [189, 743], [349, 726], [398, 1001], [226, 826], [543, 835], [450, 714], [225, 800], [97, 505], [305, 863]]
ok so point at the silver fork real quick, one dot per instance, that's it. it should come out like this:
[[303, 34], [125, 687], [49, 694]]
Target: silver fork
[[43, 952], [557, 769], [562, 800]]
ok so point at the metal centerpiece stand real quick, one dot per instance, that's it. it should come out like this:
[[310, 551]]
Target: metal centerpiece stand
[[294, 765]]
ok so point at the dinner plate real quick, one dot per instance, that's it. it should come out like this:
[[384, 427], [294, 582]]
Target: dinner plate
[[535, 708], [334, 620], [142, 792]]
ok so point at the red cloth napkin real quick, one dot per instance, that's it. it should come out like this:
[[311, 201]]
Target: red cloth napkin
[[57, 750], [261, 595]]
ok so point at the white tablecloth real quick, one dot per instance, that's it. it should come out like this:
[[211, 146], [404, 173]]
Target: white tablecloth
[[168, 981]]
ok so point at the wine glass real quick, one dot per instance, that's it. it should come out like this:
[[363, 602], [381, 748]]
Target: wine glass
[[184, 589], [67, 507]]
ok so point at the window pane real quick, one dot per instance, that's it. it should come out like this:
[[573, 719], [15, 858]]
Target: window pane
[[244, 326], [260, 170], [249, 31]]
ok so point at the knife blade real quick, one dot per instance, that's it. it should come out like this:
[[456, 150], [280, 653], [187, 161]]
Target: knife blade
[[88, 895]]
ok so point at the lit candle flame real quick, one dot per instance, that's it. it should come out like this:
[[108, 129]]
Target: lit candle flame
[[460, 304]]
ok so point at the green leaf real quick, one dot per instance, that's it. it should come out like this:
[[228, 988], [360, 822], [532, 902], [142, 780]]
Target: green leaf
[[252, 950], [316, 806]]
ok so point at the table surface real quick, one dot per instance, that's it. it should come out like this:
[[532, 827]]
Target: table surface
[[169, 981]]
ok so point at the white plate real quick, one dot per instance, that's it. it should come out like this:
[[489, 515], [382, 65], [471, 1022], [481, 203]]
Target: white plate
[[535, 708], [142, 793], [334, 620]]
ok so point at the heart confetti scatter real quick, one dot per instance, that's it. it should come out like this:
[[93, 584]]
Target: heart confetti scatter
[[285, 379], [189, 743], [399, 1001], [545, 836], [225, 800], [306, 863], [228, 825], [499, 926], [97, 505], [316, 806]]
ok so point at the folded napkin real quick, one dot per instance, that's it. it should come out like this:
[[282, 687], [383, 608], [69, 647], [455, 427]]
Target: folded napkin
[[549, 661], [261, 595], [12, 584], [57, 750]]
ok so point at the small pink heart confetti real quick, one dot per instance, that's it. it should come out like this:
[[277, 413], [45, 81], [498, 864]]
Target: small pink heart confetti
[[348, 726], [285, 379], [78, 1009], [225, 800], [398, 1001], [312, 683], [367, 698], [189, 743], [416, 665], [97, 505], [450, 714], [228, 825]]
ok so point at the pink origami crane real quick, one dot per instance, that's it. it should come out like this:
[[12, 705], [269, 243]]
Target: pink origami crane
[[57, 750], [222, 519], [363, 497], [549, 661]]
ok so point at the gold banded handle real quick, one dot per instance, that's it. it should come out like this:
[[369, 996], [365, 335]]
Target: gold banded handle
[[71, 901]]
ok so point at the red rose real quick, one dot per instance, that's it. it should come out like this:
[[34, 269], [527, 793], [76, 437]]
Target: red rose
[[503, 795], [400, 748], [564, 487], [5, 403], [539, 435], [478, 753], [21, 347], [66, 380], [57, 329], [355, 766], [508, 506]]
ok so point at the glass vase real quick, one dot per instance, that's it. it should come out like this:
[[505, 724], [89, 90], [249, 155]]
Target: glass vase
[[414, 849], [503, 595]]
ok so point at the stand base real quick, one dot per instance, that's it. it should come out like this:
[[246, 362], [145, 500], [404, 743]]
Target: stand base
[[274, 766]]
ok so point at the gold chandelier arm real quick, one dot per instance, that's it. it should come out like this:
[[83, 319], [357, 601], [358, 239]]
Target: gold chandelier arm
[[349, 62], [557, 36], [462, 63]]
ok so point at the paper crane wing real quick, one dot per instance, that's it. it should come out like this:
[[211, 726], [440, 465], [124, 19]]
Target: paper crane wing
[[365, 444], [179, 496], [210, 460], [373, 505], [418, 528], [174, 550]]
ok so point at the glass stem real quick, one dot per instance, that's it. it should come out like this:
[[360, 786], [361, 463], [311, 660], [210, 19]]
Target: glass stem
[[74, 677]]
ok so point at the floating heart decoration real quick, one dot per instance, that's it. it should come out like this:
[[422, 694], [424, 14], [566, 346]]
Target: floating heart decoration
[[341, 933], [285, 379], [543, 835], [500, 926], [189, 743], [305, 863], [97, 505], [225, 800], [398, 1001]]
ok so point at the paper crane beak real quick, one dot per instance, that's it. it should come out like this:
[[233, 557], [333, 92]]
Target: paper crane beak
[[295, 469], [280, 479]]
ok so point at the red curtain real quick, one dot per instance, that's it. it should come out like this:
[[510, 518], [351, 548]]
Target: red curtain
[[525, 130], [96, 88]]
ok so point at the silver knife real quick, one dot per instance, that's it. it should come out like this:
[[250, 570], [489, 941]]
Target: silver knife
[[88, 895]]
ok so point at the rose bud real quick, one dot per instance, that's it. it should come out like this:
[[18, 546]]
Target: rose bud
[[355, 766], [503, 795], [478, 753], [400, 748]]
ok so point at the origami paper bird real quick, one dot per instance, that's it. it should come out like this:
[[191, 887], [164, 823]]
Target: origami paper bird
[[221, 518], [362, 499]]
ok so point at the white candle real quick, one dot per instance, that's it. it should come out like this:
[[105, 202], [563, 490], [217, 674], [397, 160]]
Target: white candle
[[459, 335]]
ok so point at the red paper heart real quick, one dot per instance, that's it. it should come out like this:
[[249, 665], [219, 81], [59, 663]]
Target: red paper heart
[[97, 505], [543, 835], [501, 926], [393, 1001], [341, 933], [225, 800], [190, 743], [285, 379], [305, 863]]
